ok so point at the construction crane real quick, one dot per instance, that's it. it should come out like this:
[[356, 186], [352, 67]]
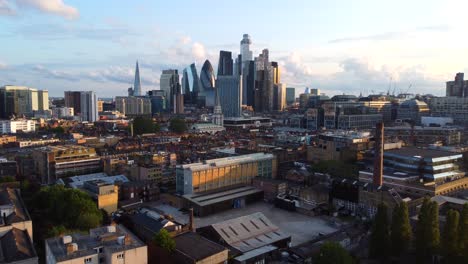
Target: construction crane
[[409, 87]]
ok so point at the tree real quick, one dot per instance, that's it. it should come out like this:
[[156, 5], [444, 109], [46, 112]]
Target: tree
[[142, 125], [401, 233], [333, 253], [380, 240], [463, 231], [164, 240], [427, 231], [177, 125], [72, 208], [450, 235]]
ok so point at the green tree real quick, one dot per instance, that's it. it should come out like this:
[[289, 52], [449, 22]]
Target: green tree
[[7, 179], [427, 231], [142, 125], [401, 233], [450, 235], [164, 240], [380, 237], [463, 231], [177, 125], [333, 253], [72, 208]]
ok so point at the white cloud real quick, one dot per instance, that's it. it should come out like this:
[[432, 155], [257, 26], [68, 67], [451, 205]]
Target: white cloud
[[56, 7], [6, 9], [2, 65], [198, 51]]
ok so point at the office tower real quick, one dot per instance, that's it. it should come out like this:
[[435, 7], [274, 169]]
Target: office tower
[[459, 87], [21, 100], [169, 83], [290, 95], [279, 96], [245, 43], [133, 106], [206, 96], [179, 103], [266, 74], [225, 66], [306, 91], [230, 93], [158, 101], [218, 117], [73, 100], [190, 84], [275, 72], [137, 82], [88, 106], [314, 91], [238, 66]]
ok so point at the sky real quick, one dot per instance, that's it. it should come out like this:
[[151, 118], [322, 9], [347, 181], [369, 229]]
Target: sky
[[337, 46]]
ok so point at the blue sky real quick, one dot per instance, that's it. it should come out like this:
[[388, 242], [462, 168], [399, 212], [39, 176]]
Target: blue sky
[[338, 46]]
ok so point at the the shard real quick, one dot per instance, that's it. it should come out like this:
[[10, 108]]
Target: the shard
[[136, 84]]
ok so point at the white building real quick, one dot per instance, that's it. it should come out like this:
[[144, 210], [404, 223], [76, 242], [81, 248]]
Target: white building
[[13, 126], [206, 128], [61, 112], [89, 106]]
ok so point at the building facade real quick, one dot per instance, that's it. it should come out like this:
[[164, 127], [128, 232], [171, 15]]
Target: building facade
[[15, 126], [290, 95], [170, 84], [229, 89], [458, 87], [133, 106], [21, 100]]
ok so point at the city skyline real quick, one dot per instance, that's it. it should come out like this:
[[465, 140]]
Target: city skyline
[[338, 47]]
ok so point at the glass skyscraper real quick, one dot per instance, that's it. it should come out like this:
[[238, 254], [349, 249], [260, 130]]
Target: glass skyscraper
[[207, 84], [137, 82], [225, 65]]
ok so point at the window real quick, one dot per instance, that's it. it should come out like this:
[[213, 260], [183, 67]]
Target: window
[[88, 260], [120, 256]]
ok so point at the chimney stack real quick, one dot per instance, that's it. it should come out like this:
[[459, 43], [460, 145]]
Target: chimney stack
[[379, 151], [192, 223]]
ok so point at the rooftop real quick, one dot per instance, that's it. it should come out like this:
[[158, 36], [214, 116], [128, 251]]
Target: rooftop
[[16, 245], [196, 247], [78, 181], [112, 238], [249, 232], [421, 152], [226, 161], [11, 197], [213, 198]]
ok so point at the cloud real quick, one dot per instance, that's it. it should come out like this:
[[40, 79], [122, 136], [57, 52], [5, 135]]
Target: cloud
[[6, 9], [198, 51], [2, 65], [52, 74], [55, 7], [393, 35]]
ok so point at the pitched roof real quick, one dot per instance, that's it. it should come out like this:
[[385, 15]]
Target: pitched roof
[[197, 247], [16, 245]]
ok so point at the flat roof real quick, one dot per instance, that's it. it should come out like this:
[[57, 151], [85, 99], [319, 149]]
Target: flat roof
[[421, 152], [226, 161], [213, 198]]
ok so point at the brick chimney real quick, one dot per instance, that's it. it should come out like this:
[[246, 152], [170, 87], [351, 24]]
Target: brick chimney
[[379, 151], [191, 221]]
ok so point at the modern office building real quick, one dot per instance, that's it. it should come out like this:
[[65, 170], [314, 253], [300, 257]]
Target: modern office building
[[290, 95], [412, 110], [248, 83], [55, 162], [251, 122], [267, 74], [425, 135], [225, 64], [191, 84], [222, 173], [454, 107], [21, 100], [62, 112], [158, 101], [279, 96], [246, 53], [106, 195], [206, 96], [133, 106], [229, 89], [359, 121], [100, 106], [137, 82], [170, 84], [108, 244], [15, 126], [84, 104], [314, 91], [458, 87], [16, 230]]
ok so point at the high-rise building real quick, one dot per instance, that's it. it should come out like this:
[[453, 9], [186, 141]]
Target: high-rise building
[[225, 65], [190, 84], [245, 43], [73, 100], [21, 100], [133, 106], [158, 101], [279, 97], [266, 74], [206, 96], [290, 95], [314, 91], [88, 106], [170, 84], [137, 82], [229, 89], [459, 87]]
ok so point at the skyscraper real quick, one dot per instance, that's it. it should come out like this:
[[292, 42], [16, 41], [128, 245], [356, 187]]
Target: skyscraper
[[225, 65], [206, 96], [136, 84], [229, 89], [279, 96], [190, 84], [459, 87], [265, 76], [290, 95], [169, 83], [245, 43]]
